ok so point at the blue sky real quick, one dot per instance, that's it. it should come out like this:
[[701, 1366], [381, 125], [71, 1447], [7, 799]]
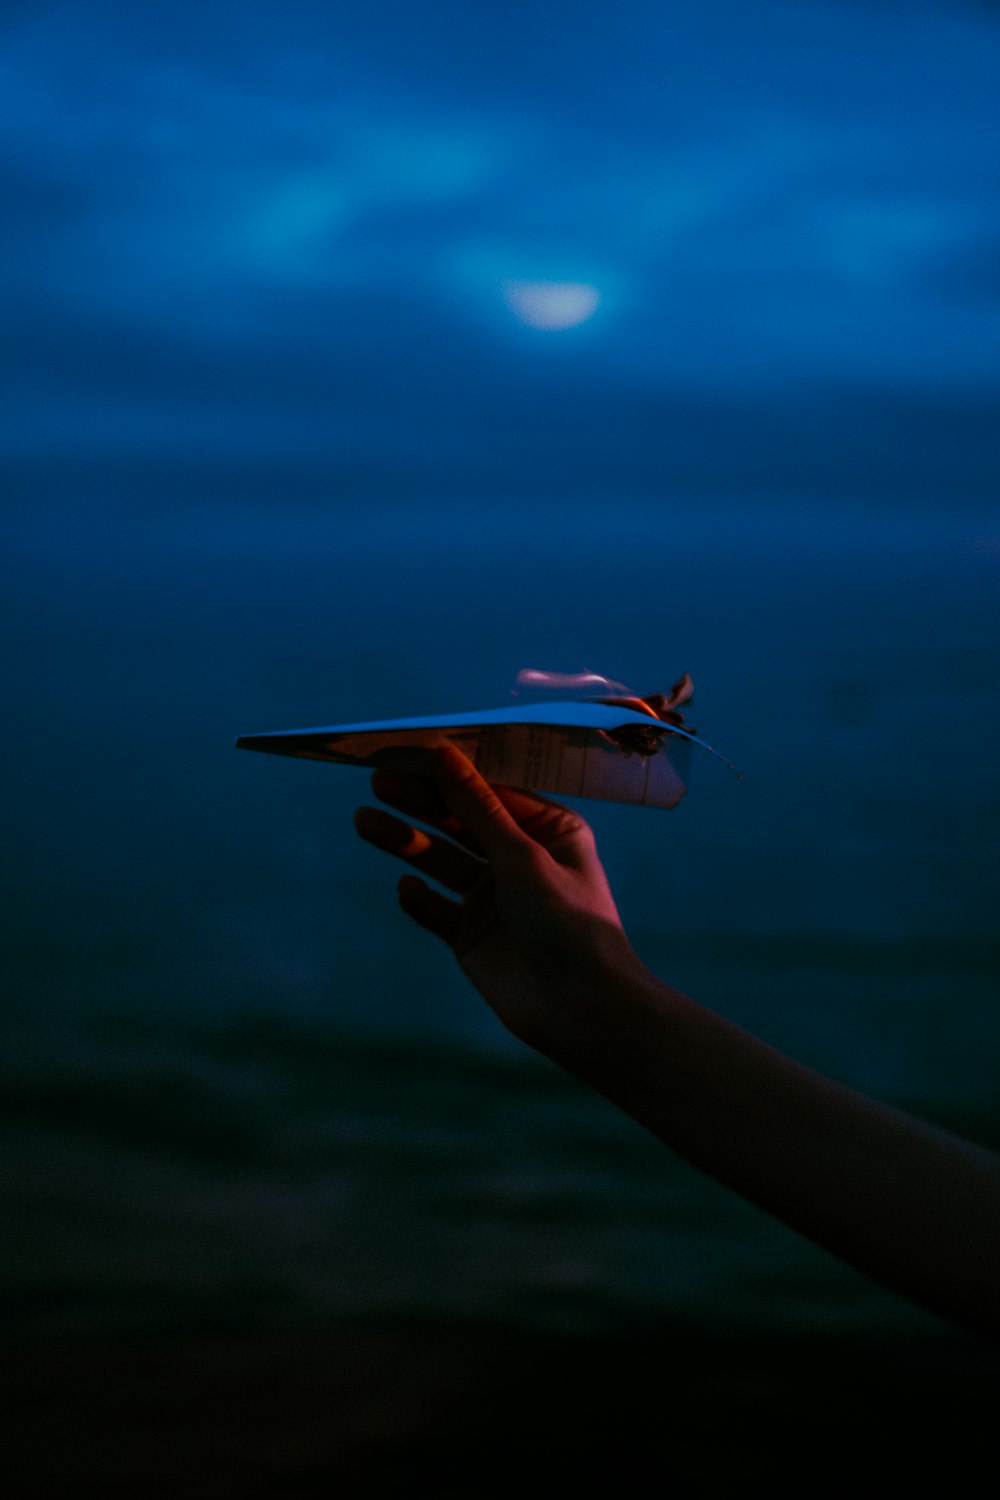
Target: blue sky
[[293, 230]]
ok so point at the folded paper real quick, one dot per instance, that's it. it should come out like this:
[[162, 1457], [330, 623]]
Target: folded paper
[[572, 749]]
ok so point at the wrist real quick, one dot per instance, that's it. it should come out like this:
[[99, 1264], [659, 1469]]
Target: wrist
[[603, 1010]]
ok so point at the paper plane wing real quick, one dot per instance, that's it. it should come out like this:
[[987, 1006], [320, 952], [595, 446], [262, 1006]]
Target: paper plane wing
[[564, 748]]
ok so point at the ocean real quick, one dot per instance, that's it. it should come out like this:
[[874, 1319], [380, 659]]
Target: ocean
[[242, 1092]]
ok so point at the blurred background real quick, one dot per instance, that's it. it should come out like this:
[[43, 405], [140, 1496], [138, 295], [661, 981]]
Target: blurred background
[[357, 357]]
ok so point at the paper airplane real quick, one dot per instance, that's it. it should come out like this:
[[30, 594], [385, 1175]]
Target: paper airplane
[[619, 750]]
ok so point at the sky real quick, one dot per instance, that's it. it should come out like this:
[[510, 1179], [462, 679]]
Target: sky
[[507, 248]]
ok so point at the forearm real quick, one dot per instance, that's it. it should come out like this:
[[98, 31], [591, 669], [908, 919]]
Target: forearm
[[537, 931], [911, 1205]]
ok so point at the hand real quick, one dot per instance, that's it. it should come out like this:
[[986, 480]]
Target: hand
[[535, 926], [536, 930]]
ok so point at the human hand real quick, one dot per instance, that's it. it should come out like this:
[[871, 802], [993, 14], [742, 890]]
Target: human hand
[[535, 926]]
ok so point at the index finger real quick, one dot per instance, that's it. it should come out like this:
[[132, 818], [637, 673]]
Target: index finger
[[417, 797], [474, 802]]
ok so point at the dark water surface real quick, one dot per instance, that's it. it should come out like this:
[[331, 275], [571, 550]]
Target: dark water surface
[[239, 1086]]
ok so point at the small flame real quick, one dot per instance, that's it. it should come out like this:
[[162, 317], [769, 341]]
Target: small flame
[[663, 706]]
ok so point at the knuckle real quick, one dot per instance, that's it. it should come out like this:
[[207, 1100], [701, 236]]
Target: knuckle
[[583, 835]]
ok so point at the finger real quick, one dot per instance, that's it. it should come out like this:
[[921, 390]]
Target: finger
[[475, 804], [418, 797], [566, 836], [428, 908], [435, 857], [415, 795], [531, 811], [559, 830]]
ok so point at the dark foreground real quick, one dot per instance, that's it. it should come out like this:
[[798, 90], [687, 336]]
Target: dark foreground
[[476, 1410]]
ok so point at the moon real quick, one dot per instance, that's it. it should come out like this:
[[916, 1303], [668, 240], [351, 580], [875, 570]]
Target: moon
[[551, 305]]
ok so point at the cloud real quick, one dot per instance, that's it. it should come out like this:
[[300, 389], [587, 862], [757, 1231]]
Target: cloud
[[283, 221]]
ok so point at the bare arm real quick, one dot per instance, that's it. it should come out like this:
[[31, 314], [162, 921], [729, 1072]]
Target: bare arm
[[536, 930]]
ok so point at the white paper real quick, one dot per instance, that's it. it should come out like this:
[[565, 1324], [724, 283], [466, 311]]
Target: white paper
[[559, 748]]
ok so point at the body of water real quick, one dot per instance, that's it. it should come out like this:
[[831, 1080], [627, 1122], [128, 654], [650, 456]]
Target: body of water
[[238, 1079]]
